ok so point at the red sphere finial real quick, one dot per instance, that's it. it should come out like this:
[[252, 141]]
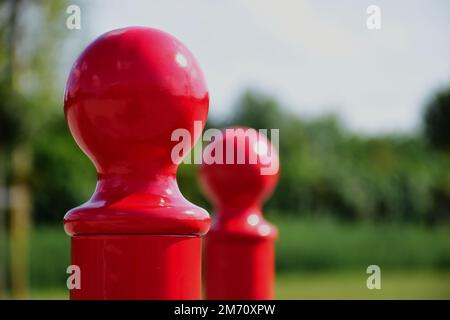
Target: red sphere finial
[[126, 94], [244, 176]]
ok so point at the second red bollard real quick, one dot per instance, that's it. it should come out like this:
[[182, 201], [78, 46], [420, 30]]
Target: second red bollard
[[239, 249]]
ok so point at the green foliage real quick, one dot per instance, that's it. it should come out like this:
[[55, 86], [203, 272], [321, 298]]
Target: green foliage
[[27, 67], [325, 168], [326, 244], [436, 120], [63, 175], [12, 107], [48, 259]]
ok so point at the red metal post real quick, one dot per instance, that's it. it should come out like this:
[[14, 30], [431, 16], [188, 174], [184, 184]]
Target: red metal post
[[137, 237], [239, 248]]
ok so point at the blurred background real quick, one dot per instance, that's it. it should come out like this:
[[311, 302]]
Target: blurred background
[[364, 119]]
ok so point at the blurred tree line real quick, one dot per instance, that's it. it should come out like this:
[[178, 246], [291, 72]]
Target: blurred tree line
[[328, 170]]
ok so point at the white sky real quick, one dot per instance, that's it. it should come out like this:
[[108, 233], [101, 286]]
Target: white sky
[[316, 56]]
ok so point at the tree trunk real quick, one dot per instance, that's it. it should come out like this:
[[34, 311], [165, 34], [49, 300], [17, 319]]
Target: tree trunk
[[20, 208], [3, 208]]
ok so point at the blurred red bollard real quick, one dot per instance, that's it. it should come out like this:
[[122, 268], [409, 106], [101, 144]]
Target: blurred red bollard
[[239, 248], [137, 237]]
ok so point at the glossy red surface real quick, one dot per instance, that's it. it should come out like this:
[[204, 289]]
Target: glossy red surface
[[137, 267], [239, 251], [239, 268], [125, 95]]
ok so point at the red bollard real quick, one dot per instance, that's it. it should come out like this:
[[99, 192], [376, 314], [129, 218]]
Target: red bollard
[[239, 248], [137, 237]]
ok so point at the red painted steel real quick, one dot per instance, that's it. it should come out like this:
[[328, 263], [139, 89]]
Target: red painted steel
[[239, 248], [137, 237]]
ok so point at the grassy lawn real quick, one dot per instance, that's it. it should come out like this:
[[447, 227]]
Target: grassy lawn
[[344, 285], [408, 285], [316, 258]]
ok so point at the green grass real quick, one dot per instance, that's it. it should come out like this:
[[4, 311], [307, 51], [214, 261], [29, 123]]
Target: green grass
[[394, 285], [315, 258], [324, 285], [327, 245], [50, 294]]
